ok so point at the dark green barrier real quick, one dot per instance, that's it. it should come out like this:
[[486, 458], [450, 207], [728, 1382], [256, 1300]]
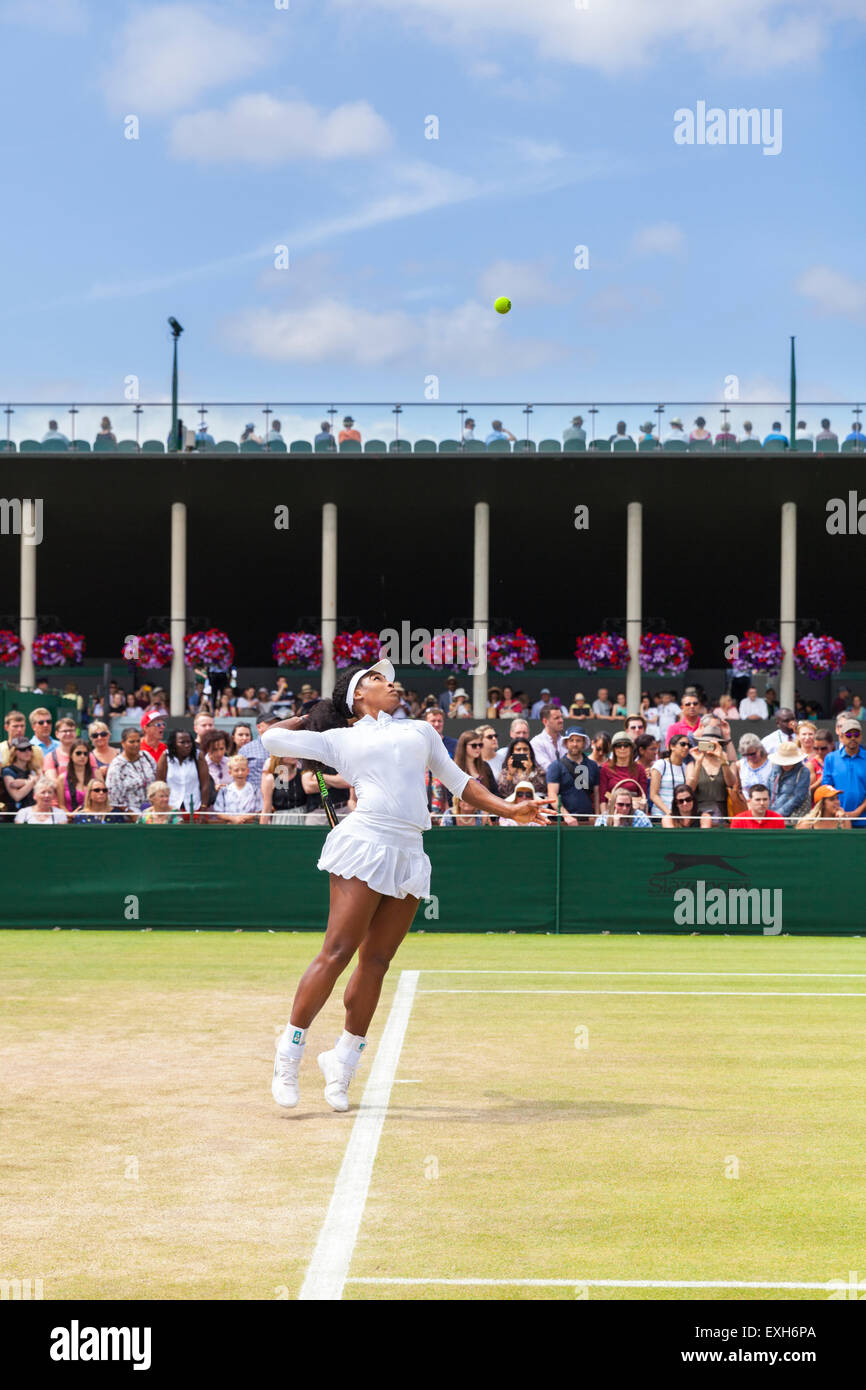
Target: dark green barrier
[[483, 880]]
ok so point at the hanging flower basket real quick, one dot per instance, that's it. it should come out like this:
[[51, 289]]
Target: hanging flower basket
[[819, 656], [664, 653], [11, 647], [58, 649], [298, 649], [604, 650], [356, 648], [211, 649], [151, 649], [448, 652], [512, 651], [757, 651]]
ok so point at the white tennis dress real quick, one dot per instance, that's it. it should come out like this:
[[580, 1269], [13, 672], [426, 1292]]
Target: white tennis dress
[[385, 760]]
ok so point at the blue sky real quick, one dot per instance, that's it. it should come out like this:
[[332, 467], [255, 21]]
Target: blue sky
[[260, 127]]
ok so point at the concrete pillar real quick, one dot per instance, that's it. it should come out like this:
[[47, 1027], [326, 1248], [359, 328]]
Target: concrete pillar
[[27, 595], [788, 604], [633, 603], [177, 694], [329, 597], [481, 607]]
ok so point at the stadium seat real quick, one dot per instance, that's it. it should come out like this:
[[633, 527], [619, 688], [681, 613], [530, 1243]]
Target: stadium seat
[[804, 446], [375, 446], [475, 446], [647, 446], [277, 446], [749, 444], [827, 446], [774, 446], [250, 446], [324, 446], [524, 446], [81, 446], [449, 446], [499, 446], [53, 446], [574, 446], [156, 446], [29, 446], [350, 446], [400, 446], [852, 446], [7, 446], [425, 446], [600, 446], [549, 446], [675, 446], [700, 446], [104, 446], [300, 446], [127, 446], [624, 446]]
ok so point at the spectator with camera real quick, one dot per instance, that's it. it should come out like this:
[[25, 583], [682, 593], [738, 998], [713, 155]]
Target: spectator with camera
[[520, 766], [710, 776]]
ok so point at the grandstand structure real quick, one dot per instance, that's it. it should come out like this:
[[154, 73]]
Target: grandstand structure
[[545, 535]]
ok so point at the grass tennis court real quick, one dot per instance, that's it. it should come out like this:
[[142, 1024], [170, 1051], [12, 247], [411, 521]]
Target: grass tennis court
[[571, 1108]]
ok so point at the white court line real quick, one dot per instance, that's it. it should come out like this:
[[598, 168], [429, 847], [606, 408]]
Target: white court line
[[694, 993], [826, 1286], [327, 1270], [709, 974]]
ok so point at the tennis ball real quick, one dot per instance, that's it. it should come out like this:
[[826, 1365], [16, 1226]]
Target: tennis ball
[[502, 305]]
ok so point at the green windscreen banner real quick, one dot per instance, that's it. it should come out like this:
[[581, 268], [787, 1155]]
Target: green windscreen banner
[[489, 879]]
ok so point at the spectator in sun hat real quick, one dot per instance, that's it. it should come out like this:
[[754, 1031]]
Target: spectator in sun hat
[[523, 791], [575, 430], [544, 699], [622, 812], [461, 705], [446, 696], [579, 709], [622, 766], [646, 434], [575, 777], [845, 769], [826, 814], [348, 431], [675, 430], [788, 782]]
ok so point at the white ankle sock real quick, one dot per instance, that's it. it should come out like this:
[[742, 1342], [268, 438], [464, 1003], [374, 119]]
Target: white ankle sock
[[293, 1042], [349, 1048]]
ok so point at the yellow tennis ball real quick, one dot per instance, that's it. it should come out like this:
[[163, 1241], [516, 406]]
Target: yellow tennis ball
[[502, 305]]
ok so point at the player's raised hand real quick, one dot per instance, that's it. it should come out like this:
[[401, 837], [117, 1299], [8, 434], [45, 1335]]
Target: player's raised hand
[[530, 812]]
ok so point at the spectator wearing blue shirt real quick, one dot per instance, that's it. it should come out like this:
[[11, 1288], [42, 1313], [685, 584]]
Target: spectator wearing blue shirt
[[55, 436], [856, 435], [845, 769], [40, 723], [498, 431], [325, 439], [575, 778], [256, 753], [788, 783], [434, 715], [776, 433], [202, 436]]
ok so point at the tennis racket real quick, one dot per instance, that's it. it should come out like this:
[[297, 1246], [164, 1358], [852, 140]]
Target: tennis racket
[[326, 801]]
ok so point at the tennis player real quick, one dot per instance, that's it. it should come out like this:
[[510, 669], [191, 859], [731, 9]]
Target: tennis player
[[375, 857]]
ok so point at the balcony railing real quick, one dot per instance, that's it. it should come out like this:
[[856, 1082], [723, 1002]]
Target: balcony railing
[[429, 427]]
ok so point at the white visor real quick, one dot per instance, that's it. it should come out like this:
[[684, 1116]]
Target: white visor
[[387, 671]]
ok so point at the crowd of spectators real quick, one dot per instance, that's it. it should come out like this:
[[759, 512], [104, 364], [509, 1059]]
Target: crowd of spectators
[[648, 434], [682, 761]]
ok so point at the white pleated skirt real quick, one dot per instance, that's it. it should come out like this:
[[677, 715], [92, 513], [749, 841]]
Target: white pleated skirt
[[388, 860]]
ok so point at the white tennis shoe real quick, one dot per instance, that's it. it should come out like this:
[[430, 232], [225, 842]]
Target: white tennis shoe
[[337, 1077], [284, 1087]]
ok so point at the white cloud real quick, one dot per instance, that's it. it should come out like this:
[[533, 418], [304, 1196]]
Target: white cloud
[[168, 55], [538, 151], [660, 239], [484, 69], [262, 130], [617, 302], [749, 34], [523, 282], [60, 16], [832, 292], [470, 337]]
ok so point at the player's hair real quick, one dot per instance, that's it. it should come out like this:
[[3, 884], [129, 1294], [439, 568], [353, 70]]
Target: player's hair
[[331, 714]]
